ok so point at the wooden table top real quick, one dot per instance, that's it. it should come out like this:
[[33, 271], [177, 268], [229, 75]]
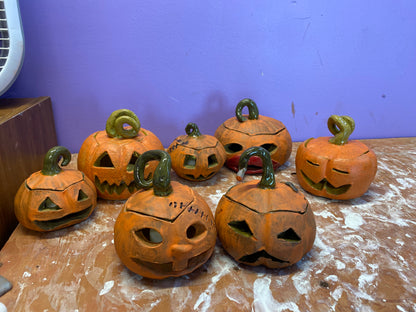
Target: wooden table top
[[363, 257]]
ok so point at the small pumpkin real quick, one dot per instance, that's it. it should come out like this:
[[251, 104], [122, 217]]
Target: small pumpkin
[[167, 230], [264, 223], [335, 167], [54, 198], [196, 157], [108, 157], [244, 131]]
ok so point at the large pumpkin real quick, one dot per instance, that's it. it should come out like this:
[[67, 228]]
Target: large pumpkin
[[264, 223], [164, 231], [54, 198], [335, 167], [196, 157], [108, 157], [242, 132]]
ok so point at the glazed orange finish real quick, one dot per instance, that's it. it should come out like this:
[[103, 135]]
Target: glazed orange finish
[[335, 171], [183, 230], [270, 227], [196, 157], [237, 136], [109, 161], [51, 202]]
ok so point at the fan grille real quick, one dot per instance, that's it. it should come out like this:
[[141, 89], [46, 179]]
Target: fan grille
[[4, 36]]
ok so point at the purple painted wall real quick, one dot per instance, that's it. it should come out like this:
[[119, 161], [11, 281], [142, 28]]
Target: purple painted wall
[[173, 62]]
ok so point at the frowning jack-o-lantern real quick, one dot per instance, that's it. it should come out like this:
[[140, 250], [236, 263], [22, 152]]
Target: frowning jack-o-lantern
[[336, 167], [242, 132], [108, 157], [167, 230], [196, 157], [54, 198], [264, 223]]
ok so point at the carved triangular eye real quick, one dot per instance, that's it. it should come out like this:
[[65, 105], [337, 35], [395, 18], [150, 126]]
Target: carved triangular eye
[[48, 204], [132, 161], [149, 236], [233, 148], [241, 227], [270, 147], [82, 195], [289, 235], [104, 161]]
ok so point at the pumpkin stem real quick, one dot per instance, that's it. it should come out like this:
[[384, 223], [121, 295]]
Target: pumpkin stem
[[253, 111], [341, 127], [115, 124], [267, 180], [192, 130], [161, 175], [51, 160]]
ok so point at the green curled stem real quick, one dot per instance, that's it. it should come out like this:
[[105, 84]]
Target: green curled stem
[[161, 176], [341, 127], [51, 161], [115, 124], [267, 180], [253, 111], [192, 130]]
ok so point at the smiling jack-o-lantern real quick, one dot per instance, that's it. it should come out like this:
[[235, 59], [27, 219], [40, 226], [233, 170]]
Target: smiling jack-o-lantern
[[239, 133], [335, 167], [108, 157], [265, 223], [196, 157], [54, 198], [165, 231]]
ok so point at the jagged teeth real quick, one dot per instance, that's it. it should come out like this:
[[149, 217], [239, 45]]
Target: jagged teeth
[[105, 187]]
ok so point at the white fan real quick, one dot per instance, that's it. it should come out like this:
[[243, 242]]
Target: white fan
[[11, 43]]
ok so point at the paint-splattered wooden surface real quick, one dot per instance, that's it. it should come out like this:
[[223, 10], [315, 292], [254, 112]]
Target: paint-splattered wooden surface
[[363, 258]]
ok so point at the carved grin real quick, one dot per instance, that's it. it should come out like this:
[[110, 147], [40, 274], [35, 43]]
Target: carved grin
[[105, 187], [330, 189], [201, 177], [168, 266], [52, 224], [260, 254]]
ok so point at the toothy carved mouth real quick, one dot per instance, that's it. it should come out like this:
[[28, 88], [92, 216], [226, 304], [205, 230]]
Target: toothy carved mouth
[[330, 189], [168, 267], [260, 254], [201, 177], [105, 187], [52, 224]]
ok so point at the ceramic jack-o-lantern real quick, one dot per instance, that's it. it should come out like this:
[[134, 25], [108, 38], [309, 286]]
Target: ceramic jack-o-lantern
[[264, 223], [108, 157], [54, 198], [196, 157], [335, 167], [167, 230], [242, 132]]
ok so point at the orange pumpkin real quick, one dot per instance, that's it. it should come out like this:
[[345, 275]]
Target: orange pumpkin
[[239, 133], [54, 198], [165, 231], [196, 157], [264, 223], [335, 167], [108, 157]]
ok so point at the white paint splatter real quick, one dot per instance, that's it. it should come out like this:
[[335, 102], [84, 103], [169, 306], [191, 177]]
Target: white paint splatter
[[215, 198], [264, 301], [337, 293], [3, 307], [340, 265], [366, 279], [107, 287], [27, 274], [353, 220], [332, 278], [301, 282]]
